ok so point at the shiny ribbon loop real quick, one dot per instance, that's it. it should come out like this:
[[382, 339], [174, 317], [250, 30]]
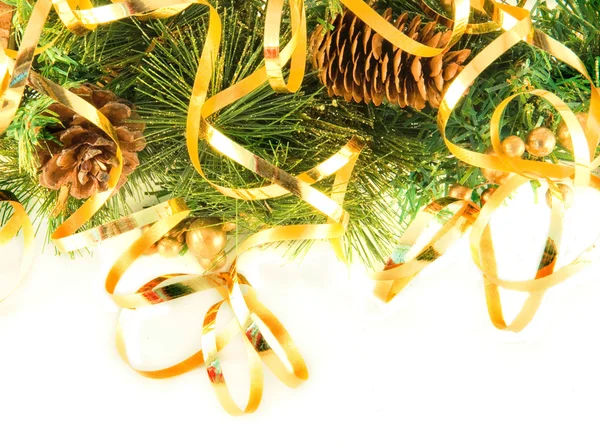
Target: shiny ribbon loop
[[398, 273], [255, 320], [482, 251], [265, 338], [80, 17], [19, 220], [274, 62], [267, 335], [12, 92], [485, 6], [516, 22], [215, 371]]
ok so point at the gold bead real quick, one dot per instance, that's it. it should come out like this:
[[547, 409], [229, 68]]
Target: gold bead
[[563, 134], [487, 194], [567, 195], [513, 146], [229, 226], [540, 142], [206, 238], [460, 192], [169, 247], [494, 176]]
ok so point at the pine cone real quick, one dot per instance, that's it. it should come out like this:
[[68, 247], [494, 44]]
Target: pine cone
[[358, 64], [86, 156]]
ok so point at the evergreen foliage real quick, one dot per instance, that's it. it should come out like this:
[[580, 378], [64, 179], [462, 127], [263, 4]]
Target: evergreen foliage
[[406, 164]]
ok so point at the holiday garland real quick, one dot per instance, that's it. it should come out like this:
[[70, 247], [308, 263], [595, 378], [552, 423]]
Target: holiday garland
[[97, 129]]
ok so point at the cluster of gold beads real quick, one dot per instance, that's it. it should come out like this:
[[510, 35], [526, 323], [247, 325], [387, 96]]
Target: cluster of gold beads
[[205, 238]]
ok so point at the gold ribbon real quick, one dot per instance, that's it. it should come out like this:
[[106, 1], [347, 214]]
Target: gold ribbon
[[387, 30], [397, 275], [516, 22], [263, 331], [473, 28], [19, 220], [266, 339], [254, 324]]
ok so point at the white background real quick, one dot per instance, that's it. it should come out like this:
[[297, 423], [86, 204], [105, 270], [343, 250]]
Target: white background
[[427, 370]]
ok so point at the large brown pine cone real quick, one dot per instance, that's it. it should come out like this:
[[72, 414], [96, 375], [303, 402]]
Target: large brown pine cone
[[83, 159], [358, 64]]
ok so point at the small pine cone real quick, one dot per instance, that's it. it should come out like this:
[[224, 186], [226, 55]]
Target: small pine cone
[[85, 155], [358, 64]]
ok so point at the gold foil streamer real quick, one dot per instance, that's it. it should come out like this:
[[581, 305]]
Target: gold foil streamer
[[274, 61], [517, 26], [19, 220], [277, 349], [387, 30], [396, 276], [255, 325], [472, 28], [251, 317]]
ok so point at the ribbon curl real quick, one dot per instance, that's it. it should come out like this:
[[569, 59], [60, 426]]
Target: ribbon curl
[[19, 220], [266, 339], [517, 26]]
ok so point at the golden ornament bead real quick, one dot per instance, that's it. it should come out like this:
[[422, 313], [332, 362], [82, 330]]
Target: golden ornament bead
[[513, 146], [568, 197], [540, 142], [169, 247], [206, 238], [460, 192], [494, 176], [229, 226], [487, 194], [563, 134]]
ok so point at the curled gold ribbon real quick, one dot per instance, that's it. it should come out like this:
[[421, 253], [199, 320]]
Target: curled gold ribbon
[[274, 61], [493, 24], [215, 371], [399, 39], [265, 338], [255, 325], [517, 26], [263, 331], [19, 220], [397, 275]]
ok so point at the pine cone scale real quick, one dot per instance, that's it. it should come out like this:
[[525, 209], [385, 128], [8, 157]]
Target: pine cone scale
[[435, 65]]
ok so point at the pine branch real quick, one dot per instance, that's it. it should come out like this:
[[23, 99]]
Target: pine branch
[[406, 163]]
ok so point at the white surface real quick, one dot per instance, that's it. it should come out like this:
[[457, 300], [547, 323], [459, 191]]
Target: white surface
[[428, 370]]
